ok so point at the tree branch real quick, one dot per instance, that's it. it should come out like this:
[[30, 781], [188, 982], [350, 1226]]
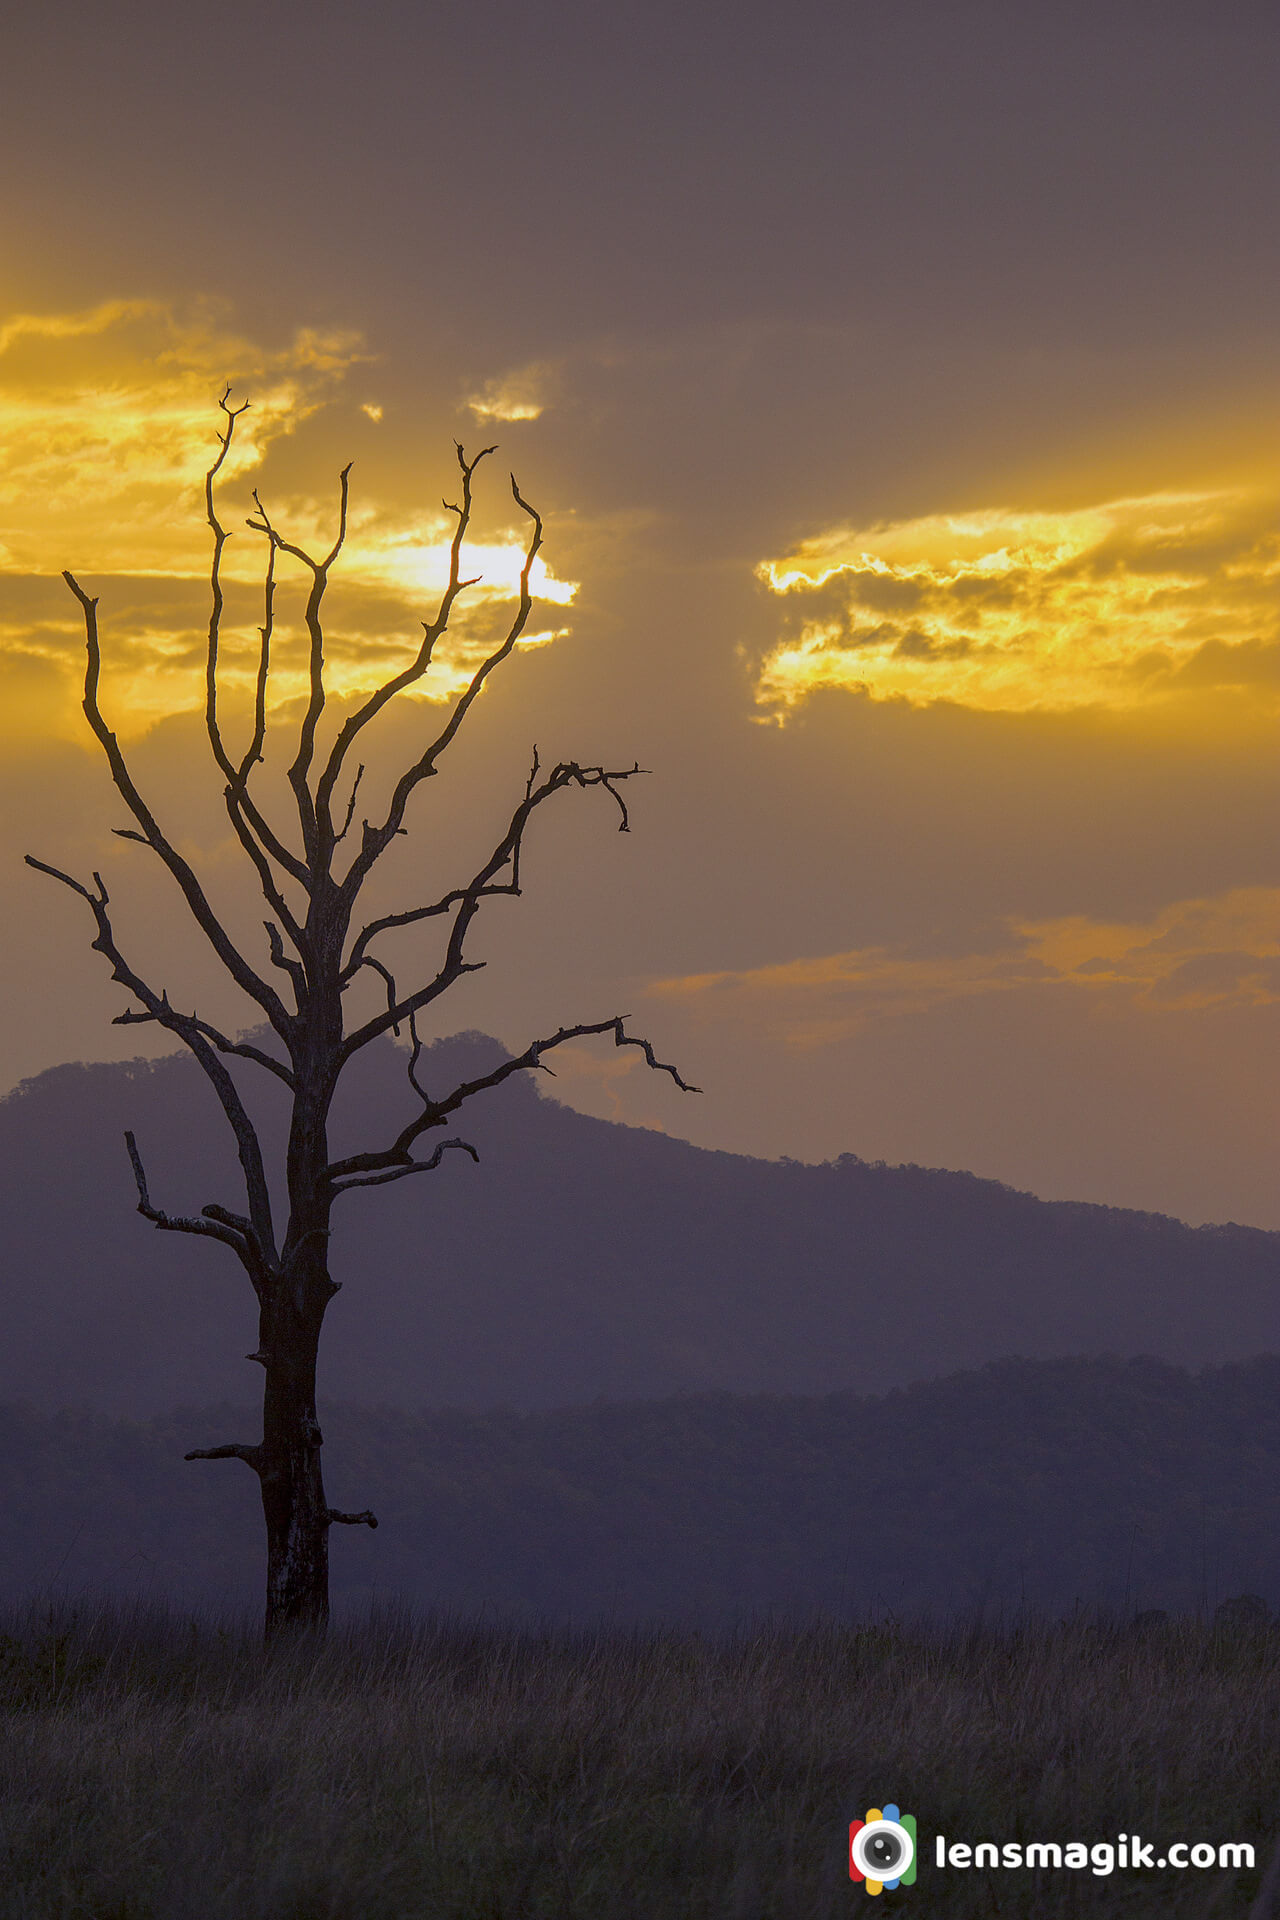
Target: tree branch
[[232, 959], [313, 813], [252, 1456], [242, 815], [254, 751], [188, 1031], [377, 839], [175, 1022], [237, 776], [409, 1166], [389, 979], [467, 899], [365, 1519], [431, 632], [351, 805], [279, 958], [215, 1223], [220, 538], [436, 1112]]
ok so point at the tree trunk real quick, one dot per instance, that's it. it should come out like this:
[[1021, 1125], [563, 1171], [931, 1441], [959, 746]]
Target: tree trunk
[[293, 1310], [293, 1497]]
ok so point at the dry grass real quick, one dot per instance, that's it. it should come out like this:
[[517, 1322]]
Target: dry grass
[[156, 1770]]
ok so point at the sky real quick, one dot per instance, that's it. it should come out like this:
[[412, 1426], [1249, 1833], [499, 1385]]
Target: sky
[[898, 387]]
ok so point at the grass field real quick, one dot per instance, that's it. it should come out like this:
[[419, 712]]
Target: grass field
[[156, 1769]]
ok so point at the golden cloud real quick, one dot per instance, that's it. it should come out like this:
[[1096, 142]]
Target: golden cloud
[[518, 395], [1123, 604], [1196, 955], [108, 420]]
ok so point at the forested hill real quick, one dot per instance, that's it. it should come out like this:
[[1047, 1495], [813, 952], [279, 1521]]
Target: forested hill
[[579, 1258], [1119, 1484]]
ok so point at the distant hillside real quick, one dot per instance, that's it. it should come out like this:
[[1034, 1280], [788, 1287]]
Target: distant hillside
[[1122, 1484], [580, 1258]]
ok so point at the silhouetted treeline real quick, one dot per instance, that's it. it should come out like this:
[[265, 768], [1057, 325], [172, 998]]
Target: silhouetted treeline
[[1121, 1484], [579, 1258]]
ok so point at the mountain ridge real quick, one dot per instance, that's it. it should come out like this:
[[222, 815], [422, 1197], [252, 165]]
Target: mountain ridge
[[581, 1257]]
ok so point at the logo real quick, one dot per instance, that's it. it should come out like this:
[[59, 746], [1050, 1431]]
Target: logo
[[882, 1849]]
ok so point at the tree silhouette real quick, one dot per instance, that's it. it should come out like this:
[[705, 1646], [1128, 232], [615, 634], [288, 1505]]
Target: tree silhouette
[[315, 943]]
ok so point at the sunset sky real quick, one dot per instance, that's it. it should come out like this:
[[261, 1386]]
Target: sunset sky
[[899, 387]]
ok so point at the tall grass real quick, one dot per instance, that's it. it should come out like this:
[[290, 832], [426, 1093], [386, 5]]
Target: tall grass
[[156, 1769]]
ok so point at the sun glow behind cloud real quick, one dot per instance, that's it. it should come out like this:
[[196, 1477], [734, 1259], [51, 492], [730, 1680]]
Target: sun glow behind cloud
[[107, 424], [1121, 605]]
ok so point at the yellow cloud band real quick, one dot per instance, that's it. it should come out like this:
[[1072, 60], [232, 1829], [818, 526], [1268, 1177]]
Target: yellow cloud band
[[1118, 605]]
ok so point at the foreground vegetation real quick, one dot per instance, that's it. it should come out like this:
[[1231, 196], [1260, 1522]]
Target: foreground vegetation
[[156, 1769]]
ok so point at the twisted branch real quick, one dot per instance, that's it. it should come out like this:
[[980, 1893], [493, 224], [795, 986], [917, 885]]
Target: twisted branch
[[189, 1031], [485, 885], [436, 1112]]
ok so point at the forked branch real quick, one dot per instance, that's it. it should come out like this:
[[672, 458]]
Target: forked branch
[[214, 1222]]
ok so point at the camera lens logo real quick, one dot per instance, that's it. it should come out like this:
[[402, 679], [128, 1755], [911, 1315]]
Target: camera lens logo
[[882, 1849]]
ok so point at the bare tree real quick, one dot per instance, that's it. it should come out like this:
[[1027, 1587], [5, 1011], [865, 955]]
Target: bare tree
[[312, 891]]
